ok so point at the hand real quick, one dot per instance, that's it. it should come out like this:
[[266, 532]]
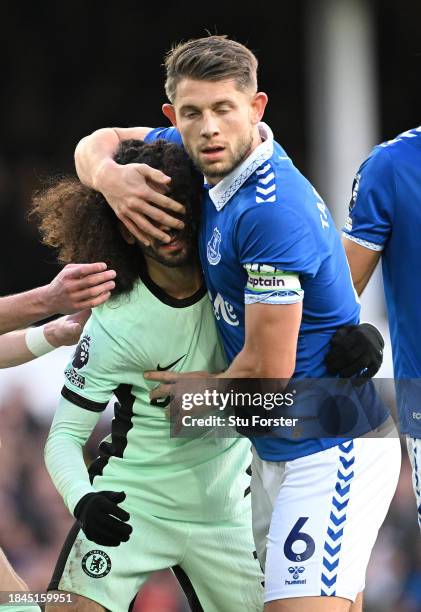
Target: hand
[[356, 350], [66, 331], [167, 389], [168, 379], [134, 191], [79, 286], [102, 521]]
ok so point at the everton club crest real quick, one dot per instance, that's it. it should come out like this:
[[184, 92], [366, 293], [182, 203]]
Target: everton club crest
[[214, 256]]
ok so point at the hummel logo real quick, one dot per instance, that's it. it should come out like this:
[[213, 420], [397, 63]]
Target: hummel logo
[[168, 367], [296, 571]]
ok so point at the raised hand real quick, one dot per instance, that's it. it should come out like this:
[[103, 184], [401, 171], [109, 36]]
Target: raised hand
[[79, 286]]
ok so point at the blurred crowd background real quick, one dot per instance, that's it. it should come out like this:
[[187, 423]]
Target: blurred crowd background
[[341, 76]]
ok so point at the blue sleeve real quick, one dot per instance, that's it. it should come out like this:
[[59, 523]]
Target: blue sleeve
[[371, 208], [171, 134], [272, 234]]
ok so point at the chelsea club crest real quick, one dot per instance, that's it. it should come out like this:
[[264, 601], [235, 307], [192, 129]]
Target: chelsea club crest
[[214, 256]]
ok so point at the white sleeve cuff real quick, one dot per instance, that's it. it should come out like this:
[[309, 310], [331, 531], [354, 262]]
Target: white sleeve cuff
[[364, 243]]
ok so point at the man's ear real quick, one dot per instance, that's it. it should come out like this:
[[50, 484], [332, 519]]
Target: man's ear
[[127, 236], [258, 105], [169, 112]]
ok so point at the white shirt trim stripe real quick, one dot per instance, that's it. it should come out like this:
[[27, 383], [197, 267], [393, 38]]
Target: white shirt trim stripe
[[225, 189], [365, 243]]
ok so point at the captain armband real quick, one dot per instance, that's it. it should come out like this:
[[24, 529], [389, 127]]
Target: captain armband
[[270, 285]]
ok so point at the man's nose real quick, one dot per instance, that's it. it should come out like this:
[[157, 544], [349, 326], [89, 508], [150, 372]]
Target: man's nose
[[209, 126]]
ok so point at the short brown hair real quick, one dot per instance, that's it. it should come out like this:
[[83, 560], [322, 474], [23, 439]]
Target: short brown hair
[[213, 58]]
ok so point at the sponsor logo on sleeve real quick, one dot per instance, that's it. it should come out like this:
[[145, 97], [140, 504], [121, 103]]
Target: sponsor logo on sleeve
[[80, 359], [355, 189]]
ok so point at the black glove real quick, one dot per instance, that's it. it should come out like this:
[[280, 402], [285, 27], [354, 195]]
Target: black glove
[[356, 350], [102, 521]]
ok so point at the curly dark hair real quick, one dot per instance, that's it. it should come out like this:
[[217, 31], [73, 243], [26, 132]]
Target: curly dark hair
[[78, 222]]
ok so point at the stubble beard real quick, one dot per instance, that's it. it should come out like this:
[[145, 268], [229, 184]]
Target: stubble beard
[[239, 155], [183, 257]]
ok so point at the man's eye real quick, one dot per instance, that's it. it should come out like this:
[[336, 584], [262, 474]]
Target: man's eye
[[191, 114]]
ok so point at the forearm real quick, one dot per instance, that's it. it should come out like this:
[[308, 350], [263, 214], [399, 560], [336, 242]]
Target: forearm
[[360, 281], [250, 364], [69, 432], [26, 344], [23, 309], [362, 263], [270, 345], [13, 349], [94, 153]]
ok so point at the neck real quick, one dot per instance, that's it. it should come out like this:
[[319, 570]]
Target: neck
[[257, 139], [181, 282]]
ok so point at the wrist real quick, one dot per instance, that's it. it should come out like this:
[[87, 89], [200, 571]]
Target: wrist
[[42, 302], [102, 172], [37, 341], [80, 506], [50, 334]]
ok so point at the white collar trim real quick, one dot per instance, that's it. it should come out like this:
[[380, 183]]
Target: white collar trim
[[225, 189]]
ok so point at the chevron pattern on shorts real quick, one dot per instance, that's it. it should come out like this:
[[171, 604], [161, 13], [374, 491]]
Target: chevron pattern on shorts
[[337, 518], [266, 185]]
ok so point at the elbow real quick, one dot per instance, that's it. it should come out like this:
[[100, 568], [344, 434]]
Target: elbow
[[359, 285], [79, 150], [47, 449]]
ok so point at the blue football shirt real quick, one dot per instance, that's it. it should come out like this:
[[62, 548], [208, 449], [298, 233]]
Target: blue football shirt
[[266, 236], [385, 215]]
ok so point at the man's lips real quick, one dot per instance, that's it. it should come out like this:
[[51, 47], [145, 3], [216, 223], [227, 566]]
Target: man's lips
[[175, 244], [213, 152]]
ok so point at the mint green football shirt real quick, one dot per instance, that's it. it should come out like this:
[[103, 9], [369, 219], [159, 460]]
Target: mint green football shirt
[[201, 478]]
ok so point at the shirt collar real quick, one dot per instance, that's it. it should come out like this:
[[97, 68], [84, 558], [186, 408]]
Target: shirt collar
[[225, 189]]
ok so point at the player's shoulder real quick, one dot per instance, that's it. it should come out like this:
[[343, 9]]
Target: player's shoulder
[[170, 134], [389, 152], [118, 309], [277, 180], [293, 188], [377, 165], [400, 142]]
